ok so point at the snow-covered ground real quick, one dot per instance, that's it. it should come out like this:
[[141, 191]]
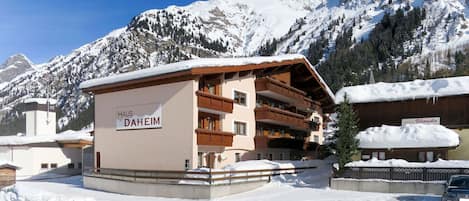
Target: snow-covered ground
[[309, 185]]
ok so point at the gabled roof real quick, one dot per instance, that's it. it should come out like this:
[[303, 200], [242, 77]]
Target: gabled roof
[[186, 70], [417, 89]]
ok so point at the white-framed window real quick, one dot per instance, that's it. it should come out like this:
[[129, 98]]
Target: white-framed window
[[240, 98], [237, 157], [240, 128]]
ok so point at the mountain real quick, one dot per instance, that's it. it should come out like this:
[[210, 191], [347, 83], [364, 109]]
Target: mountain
[[15, 65], [322, 30]]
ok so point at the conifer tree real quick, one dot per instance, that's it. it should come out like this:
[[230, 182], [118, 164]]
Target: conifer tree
[[346, 145]]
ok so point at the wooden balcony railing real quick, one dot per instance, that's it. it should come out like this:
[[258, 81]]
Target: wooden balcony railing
[[281, 117], [214, 102], [278, 90], [214, 138]]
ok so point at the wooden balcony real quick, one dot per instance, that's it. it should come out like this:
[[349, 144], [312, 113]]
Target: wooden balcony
[[280, 91], [214, 138], [214, 102], [277, 116]]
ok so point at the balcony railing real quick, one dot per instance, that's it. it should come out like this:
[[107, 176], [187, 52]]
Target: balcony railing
[[214, 138], [278, 90], [281, 117], [214, 102]]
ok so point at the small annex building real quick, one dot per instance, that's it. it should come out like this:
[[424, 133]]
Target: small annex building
[[209, 113], [423, 115], [7, 173], [41, 152]]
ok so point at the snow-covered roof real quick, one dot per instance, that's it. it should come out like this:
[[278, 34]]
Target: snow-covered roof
[[9, 164], [41, 101], [407, 136], [65, 136], [417, 89], [403, 163]]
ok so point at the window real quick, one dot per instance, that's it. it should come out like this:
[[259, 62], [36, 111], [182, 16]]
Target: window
[[430, 156], [281, 156], [316, 138], [271, 157], [259, 156], [240, 98], [382, 156], [200, 158], [237, 157], [71, 166], [53, 165], [209, 121], [239, 128], [44, 165], [79, 166], [186, 164], [374, 155]]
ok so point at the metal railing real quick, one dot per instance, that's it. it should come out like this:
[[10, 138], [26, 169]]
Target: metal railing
[[193, 177], [402, 173]]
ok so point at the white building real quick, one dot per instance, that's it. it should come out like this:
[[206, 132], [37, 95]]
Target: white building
[[41, 152]]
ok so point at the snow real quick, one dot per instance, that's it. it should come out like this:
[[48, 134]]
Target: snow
[[4, 163], [407, 136], [403, 163], [186, 65], [68, 135], [42, 101], [309, 185], [417, 89]]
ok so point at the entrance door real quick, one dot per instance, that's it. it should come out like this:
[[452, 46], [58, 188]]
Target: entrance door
[[98, 160], [210, 159]]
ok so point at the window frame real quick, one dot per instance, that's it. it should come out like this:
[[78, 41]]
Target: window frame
[[245, 97], [235, 129]]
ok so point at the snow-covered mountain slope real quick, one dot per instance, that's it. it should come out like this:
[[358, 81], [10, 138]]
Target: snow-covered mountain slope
[[224, 28], [14, 66]]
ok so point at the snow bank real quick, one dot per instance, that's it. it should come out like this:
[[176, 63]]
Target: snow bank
[[407, 136], [42, 101], [68, 135], [403, 163], [416, 89]]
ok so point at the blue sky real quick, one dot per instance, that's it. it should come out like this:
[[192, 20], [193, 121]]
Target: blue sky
[[47, 28]]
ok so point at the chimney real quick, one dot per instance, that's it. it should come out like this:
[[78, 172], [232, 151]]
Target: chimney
[[40, 116]]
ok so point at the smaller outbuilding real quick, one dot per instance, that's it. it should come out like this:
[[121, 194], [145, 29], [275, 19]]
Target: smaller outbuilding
[[411, 142], [7, 173]]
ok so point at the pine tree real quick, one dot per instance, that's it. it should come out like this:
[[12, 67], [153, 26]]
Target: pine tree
[[346, 145]]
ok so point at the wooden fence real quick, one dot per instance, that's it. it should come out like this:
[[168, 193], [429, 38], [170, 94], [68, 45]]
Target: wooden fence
[[402, 173], [192, 177]]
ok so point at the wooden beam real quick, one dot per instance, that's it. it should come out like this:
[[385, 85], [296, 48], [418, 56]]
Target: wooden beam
[[229, 75], [244, 73]]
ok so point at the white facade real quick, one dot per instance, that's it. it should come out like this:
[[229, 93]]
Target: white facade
[[32, 160], [40, 123]]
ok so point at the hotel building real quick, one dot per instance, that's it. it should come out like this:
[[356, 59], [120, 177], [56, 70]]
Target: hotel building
[[209, 113]]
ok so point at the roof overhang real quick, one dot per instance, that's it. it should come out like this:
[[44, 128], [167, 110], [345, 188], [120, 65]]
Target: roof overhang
[[193, 73]]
